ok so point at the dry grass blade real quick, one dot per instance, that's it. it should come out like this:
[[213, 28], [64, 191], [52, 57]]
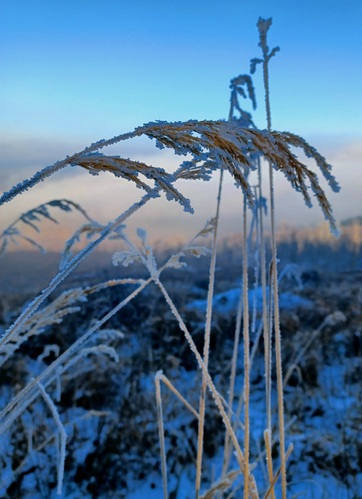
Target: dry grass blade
[[130, 170], [277, 474]]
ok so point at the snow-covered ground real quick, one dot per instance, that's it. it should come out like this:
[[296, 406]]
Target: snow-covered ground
[[108, 409]]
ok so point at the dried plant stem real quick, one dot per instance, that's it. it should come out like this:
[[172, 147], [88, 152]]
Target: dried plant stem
[[255, 221], [266, 331], [161, 432], [267, 92], [246, 356], [276, 476], [278, 348], [227, 443], [242, 306], [269, 460], [210, 296], [266, 336], [159, 376], [278, 354]]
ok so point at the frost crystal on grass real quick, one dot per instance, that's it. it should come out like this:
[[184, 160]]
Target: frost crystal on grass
[[175, 263], [125, 258]]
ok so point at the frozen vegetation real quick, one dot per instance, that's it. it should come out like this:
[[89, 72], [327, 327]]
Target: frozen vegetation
[[196, 372]]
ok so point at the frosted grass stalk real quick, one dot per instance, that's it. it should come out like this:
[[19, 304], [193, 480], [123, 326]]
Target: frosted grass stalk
[[239, 315], [257, 262], [264, 326], [245, 120], [278, 347], [210, 296], [269, 460], [277, 474], [161, 432], [263, 26], [246, 355]]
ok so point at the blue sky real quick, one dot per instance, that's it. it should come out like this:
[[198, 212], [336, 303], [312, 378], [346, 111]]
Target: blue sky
[[73, 72]]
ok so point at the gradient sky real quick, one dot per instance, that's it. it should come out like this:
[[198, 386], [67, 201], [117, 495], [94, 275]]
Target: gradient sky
[[75, 71]]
